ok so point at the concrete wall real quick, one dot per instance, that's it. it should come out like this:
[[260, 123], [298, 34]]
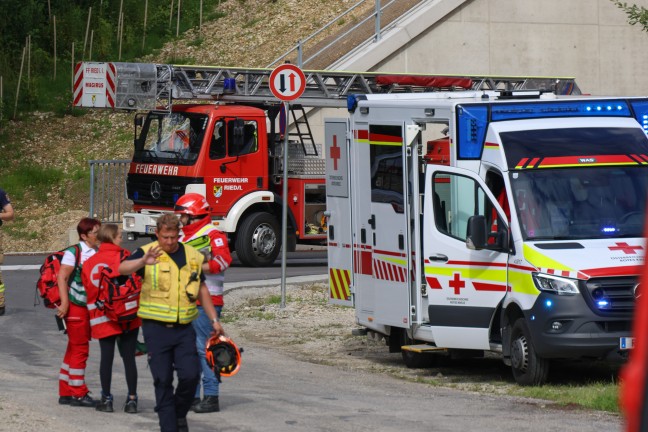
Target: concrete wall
[[590, 40]]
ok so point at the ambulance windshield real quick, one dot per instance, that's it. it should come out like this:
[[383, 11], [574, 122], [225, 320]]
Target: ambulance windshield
[[174, 138], [580, 203]]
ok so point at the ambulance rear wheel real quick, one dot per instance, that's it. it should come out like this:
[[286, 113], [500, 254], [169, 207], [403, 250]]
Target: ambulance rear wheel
[[257, 241], [528, 368]]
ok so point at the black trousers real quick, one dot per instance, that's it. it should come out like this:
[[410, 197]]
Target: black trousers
[[127, 343], [172, 348]]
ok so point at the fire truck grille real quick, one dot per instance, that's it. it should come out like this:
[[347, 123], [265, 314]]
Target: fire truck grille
[[157, 190], [612, 296]]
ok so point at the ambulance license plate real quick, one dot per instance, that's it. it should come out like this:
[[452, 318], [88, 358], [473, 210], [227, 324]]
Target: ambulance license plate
[[150, 229], [626, 343]]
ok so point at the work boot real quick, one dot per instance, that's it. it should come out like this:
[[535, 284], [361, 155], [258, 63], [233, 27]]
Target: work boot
[[195, 402], [131, 405], [106, 404], [209, 404], [65, 400], [84, 401], [2, 310], [182, 424]]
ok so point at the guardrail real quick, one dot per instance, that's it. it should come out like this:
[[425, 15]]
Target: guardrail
[[299, 47], [108, 200]]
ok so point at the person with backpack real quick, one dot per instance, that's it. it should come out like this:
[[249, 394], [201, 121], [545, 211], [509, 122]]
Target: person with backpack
[[6, 214], [172, 282], [72, 309], [199, 232], [96, 270]]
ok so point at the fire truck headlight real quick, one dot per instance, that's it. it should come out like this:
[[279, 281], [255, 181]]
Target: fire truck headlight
[[555, 284], [129, 222]]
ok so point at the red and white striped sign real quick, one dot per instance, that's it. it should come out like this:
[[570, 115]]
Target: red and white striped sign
[[94, 85]]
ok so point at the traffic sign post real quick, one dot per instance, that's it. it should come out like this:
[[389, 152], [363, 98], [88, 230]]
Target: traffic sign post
[[287, 83]]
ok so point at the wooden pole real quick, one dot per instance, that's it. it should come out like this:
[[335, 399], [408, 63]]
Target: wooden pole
[[28, 60], [54, 22], [171, 14], [49, 10], [72, 86], [178, 20], [200, 22], [22, 63], [91, 37], [85, 41], [121, 20], [1, 101], [145, 16]]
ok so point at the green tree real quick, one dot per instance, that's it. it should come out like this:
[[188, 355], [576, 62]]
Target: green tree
[[636, 14]]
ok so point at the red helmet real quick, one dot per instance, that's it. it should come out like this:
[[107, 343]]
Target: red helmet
[[223, 356], [192, 204]]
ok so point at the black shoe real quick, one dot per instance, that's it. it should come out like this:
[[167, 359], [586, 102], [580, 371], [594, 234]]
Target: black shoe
[[2, 310], [65, 400], [195, 402], [182, 424], [131, 405], [106, 404], [84, 401], [208, 405]]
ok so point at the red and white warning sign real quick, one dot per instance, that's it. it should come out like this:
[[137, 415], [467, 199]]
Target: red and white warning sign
[[287, 82], [94, 85]]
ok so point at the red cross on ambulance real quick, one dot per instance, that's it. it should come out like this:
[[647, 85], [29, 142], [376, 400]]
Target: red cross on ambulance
[[625, 248]]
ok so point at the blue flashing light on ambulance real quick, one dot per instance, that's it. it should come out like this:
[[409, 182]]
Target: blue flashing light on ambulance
[[467, 222]]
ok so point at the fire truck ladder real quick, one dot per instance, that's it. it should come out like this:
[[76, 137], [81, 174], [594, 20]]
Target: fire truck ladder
[[149, 85], [303, 131]]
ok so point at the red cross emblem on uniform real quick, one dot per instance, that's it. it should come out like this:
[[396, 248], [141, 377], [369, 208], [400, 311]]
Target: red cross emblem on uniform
[[457, 283], [625, 248], [335, 153], [95, 274]]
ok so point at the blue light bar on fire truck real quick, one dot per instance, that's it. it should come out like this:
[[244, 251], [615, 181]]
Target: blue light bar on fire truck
[[473, 119]]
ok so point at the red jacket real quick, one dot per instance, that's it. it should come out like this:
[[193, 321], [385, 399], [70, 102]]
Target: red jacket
[[219, 257], [101, 326]]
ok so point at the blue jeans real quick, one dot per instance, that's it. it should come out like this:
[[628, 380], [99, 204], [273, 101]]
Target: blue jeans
[[203, 328]]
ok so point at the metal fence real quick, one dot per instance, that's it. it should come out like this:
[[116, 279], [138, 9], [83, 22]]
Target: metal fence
[[108, 200], [378, 30]]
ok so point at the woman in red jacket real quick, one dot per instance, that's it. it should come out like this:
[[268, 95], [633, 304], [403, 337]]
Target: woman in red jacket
[[108, 332]]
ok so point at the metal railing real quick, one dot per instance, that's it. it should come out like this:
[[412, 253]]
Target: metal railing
[[299, 47], [108, 200]]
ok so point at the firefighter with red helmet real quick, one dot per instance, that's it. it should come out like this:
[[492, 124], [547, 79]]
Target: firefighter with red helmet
[[199, 232]]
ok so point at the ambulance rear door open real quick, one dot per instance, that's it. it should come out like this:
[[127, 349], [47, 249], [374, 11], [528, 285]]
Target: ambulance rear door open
[[338, 206]]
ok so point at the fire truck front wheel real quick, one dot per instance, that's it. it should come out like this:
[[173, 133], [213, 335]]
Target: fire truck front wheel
[[257, 240], [528, 368]]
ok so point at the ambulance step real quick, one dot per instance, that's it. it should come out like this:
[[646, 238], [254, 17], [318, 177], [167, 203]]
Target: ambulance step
[[423, 349]]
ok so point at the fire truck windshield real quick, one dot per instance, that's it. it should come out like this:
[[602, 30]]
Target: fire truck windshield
[[580, 203], [174, 138]]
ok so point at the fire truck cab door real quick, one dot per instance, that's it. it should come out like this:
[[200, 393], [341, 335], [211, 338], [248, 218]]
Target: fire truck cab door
[[387, 223], [464, 286]]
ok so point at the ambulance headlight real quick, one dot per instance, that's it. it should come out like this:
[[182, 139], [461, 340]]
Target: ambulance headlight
[[129, 222], [555, 284]]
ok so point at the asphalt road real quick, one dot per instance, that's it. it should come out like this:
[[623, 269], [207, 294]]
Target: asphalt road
[[272, 392]]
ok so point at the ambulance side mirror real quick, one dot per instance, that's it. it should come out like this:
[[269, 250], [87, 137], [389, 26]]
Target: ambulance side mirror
[[476, 237]]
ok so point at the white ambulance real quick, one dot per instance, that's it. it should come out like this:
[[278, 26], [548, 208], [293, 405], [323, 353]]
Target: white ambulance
[[468, 222]]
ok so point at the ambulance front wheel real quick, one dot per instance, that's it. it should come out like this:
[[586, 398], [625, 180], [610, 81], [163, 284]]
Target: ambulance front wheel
[[528, 368], [257, 240]]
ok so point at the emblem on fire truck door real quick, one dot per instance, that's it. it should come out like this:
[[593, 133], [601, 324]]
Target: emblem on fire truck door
[[218, 191], [156, 190]]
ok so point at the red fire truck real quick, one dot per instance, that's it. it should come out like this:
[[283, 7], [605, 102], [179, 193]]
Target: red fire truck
[[228, 143]]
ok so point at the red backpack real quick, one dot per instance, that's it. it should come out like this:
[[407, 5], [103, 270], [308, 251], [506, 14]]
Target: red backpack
[[47, 284], [119, 295]]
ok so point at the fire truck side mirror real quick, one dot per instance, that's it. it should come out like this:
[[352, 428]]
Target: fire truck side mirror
[[476, 237]]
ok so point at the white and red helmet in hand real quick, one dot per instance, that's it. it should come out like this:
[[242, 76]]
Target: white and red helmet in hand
[[192, 204]]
